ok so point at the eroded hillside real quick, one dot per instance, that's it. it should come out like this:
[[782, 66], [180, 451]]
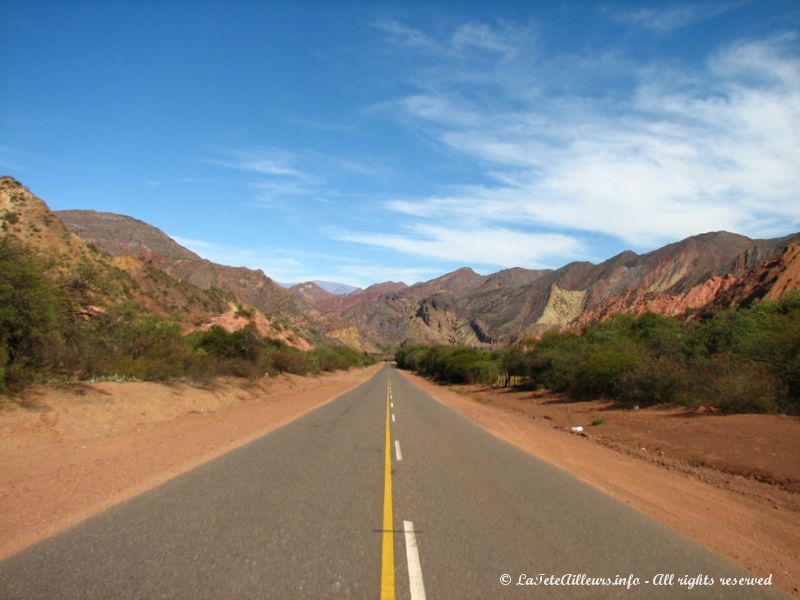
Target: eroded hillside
[[120, 235]]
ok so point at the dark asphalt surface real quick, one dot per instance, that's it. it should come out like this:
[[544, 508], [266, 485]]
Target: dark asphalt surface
[[298, 513]]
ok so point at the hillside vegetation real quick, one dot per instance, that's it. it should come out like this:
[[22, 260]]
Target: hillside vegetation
[[51, 331], [745, 360]]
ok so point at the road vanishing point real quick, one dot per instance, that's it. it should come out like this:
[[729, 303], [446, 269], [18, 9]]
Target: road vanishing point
[[382, 493]]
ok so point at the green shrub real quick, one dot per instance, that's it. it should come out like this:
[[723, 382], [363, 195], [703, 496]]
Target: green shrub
[[411, 357], [335, 358], [774, 345], [601, 373], [662, 336], [485, 371], [733, 385], [30, 311], [655, 380], [10, 217], [766, 336], [290, 362], [556, 360], [514, 363], [451, 364]]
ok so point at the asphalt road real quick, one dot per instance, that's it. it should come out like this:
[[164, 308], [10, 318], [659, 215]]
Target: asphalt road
[[315, 510]]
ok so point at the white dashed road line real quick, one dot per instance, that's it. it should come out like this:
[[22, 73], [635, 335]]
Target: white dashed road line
[[415, 584]]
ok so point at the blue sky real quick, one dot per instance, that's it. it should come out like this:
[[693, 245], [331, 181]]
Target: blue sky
[[363, 142]]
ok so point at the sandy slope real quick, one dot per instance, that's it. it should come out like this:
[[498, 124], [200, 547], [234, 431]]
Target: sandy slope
[[82, 448], [759, 531]]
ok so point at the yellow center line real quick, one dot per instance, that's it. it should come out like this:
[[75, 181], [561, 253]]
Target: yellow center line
[[387, 561]]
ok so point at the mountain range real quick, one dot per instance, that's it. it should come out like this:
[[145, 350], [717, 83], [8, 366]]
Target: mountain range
[[687, 279]]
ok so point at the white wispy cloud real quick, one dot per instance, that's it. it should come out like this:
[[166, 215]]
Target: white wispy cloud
[[496, 246], [278, 174], [665, 19], [473, 56], [505, 41], [482, 37], [274, 174], [271, 162], [681, 153], [271, 189], [406, 36]]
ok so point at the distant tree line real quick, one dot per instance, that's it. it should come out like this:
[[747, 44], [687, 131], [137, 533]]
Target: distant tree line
[[744, 360], [46, 335]]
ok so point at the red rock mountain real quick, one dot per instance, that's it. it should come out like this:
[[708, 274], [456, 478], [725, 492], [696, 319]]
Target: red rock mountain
[[120, 235], [684, 279]]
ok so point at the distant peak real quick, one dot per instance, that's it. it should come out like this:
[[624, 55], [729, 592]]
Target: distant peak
[[458, 273], [720, 233], [623, 256], [336, 288], [393, 285], [716, 236], [464, 271]]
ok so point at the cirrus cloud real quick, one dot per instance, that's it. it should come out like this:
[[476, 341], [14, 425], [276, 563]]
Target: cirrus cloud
[[496, 246], [682, 152]]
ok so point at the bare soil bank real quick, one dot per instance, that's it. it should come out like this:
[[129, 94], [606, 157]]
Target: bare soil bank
[[79, 449], [730, 483]]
